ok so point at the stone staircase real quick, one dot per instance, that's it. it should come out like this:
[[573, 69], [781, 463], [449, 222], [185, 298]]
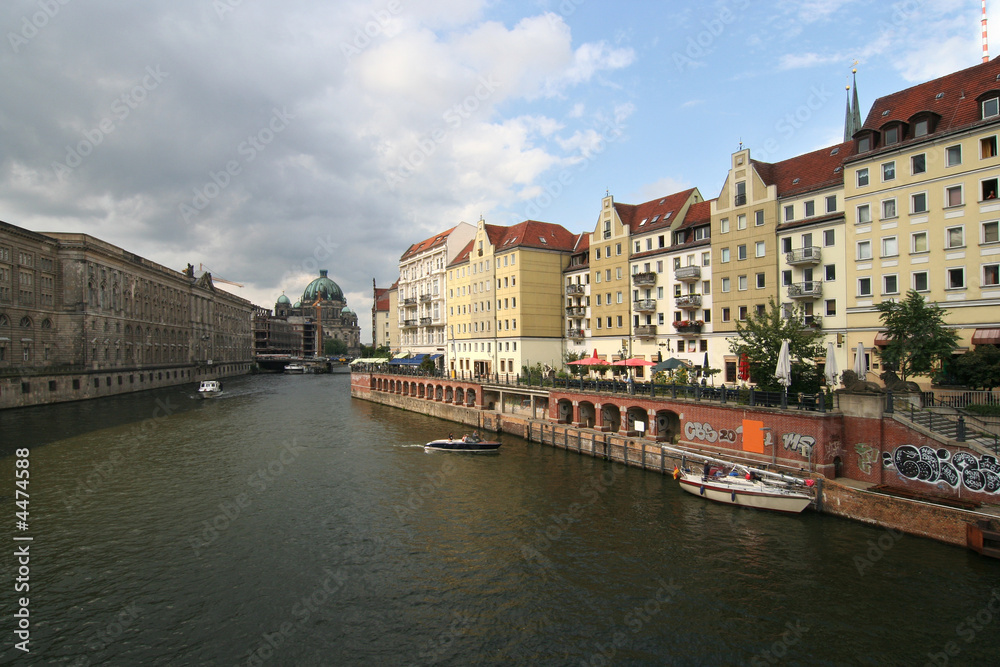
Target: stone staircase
[[943, 421]]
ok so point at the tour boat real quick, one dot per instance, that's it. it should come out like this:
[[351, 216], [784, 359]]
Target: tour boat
[[209, 388], [467, 443], [295, 369], [745, 489]]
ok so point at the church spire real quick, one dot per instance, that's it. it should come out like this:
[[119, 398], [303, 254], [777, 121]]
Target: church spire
[[852, 115]]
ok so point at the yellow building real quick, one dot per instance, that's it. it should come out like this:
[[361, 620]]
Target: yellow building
[[922, 207]]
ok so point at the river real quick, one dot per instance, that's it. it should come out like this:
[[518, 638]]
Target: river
[[285, 523]]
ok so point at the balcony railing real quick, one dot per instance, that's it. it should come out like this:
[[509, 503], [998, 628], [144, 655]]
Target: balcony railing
[[807, 255], [575, 289], [688, 301], [410, 301], [808, 290], [426, 321], [574, 333], [576, 311], [644, 305], [645, 330], [409, 323], [645, 278], [688, 274], [689, 328], [425, 298]]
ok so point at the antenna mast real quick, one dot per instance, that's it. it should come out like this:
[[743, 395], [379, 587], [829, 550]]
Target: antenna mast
[[986, 51]]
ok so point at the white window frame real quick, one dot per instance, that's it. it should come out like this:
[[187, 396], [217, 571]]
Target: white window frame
[[868, 209], [895, 210], [885, 277], [885, 249], [948, 156], [948, 273], [982, 232], [862, 174], [947, 237], [913, 243], [913, 281], [860, 256], [860, 281], [947, 199], [913, 171], [889, 166], [913, 201]]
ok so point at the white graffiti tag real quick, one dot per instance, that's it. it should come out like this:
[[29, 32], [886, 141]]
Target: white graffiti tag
[[932, 466], [798, 443]]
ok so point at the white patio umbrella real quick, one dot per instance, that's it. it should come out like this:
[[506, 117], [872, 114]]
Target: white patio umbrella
[[830, 367], [860, 367], [783, 371]]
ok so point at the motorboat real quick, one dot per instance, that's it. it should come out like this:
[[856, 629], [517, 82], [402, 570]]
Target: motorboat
[[209, 388], [467, 443], [295, 369], [745, 487]]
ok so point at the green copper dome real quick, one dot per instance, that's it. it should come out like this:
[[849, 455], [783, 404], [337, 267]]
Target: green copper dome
[[326, 289], [297, 304], [284, 300], [346, 311]]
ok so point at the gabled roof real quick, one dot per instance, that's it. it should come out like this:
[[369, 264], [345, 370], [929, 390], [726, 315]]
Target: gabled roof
[[953, 98], [817, 170], [382, 300], [698, 214], [582, 243], [535, 234], [427, 244], [654, 214], [463, 255]]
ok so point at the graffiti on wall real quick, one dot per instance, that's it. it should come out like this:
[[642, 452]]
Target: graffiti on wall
[[867, 456], [798, 443], [935, 466], [700, 431]]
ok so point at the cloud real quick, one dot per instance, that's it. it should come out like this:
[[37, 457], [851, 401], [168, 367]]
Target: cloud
[[657, 189]]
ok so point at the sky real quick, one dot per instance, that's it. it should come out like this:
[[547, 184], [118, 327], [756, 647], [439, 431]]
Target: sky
[[267, 140]]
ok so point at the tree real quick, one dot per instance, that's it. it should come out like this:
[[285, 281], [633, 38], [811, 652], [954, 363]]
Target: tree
[[918, 337], [760, 337], [980, 368], [334, 346]]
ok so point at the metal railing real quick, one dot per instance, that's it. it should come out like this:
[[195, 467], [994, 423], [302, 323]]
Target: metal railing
[[645, 278]]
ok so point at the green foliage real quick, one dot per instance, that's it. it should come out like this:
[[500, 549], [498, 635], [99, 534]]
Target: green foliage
[[760, 337], [681, 375], [334, 346], [985, 410], [575, 370], [918, 337], [980, 368], [428, 365]]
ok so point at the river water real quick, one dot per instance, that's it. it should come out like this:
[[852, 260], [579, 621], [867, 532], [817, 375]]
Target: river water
[[285, 523]]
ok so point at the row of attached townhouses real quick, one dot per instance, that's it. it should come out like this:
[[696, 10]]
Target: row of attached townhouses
[[909, 200]]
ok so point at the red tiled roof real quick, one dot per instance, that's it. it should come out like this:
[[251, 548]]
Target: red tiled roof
[[656, 213], [427, 244], [463, 256], [803, 173], [957, 108], [698, 214], [534, 234], [382, 300], [582, 243]]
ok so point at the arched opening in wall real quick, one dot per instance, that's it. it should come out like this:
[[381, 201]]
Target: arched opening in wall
[[668, 424], [406, 388], [439, 393], [564, 411], [459, 395], [372, 384], [470, 397], [637, 420], [420, 391], [588, 414], [611, 416], [838, 467], [449, 395]]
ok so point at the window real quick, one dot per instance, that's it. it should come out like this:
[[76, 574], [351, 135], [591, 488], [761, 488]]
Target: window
[[786, 278], [726, 284], [831, 306], [786, 244], [991, 108], [864, 214], [706, 258], [741, 222], [761, 247], [760, 281], [743, 313], [888, 209], [829, 237], [741, 193], [618, 248], [953, 156], [890, 284], [789, 213], [991, 233], [758, 217], [920, 283], [918, 242], [862, 177], [988, 147], [991, 275], [742, 283], [830, 272], [638, 246], [956, 278], [831, 203], [918, 202], [725, 314], [597, 255], [864, 144], [706, 287], [988, 187], [864, 250], [809, 209], [724, 226], [864, 286], [890, 248], [953, 196], [619, 295], [741, 251], [889, 171], [954, 237], [918, 164], [724, 255], [921, 128], [892, 135]]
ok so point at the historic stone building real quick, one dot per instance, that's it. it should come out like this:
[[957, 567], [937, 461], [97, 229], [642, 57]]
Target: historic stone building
[[322, 301]]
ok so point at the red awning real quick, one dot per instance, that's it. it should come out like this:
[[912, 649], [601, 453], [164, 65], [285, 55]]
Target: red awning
[[986, 337], [882, 338]]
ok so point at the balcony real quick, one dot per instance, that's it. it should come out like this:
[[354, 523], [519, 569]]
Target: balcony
[[424, 298], [688, 301], [426, 321], [804, 256], [688, 274], [410, 301], [576, 311], [808, 290], [646, 278], [645, 331], [575, 289], [644, 305], [575, 334], [409, 324], [689, 326]]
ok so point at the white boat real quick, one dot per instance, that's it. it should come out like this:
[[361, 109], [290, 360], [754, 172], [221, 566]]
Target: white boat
[[467, 443], [209, 388], [745, 489], [295, 369]]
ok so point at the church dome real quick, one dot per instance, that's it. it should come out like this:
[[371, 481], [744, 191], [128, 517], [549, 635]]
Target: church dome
[[297, 304], [283, 300], [324, 288], [346, 311]]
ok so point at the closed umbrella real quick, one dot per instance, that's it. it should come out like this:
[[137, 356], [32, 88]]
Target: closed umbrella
[[830, 368], [860, 367], [783, 371], [743, 372]]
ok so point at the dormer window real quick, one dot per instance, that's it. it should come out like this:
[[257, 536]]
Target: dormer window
[[991, 108], [921, 128], [892, 135], [864, 143]]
